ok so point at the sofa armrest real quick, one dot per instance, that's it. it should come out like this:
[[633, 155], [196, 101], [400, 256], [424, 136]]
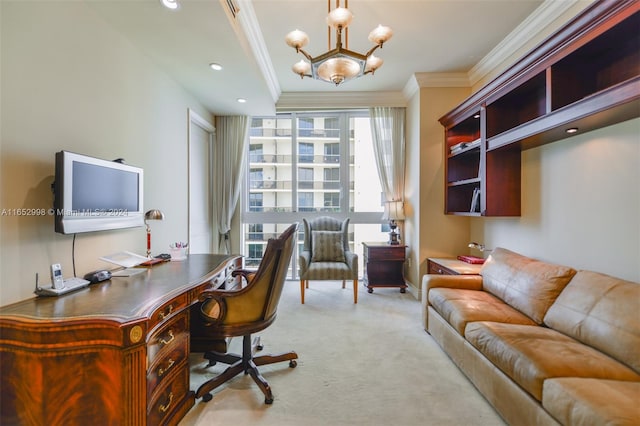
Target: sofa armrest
[[429, 281]]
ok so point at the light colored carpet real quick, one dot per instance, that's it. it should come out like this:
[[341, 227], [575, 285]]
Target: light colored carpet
[[366, 364]]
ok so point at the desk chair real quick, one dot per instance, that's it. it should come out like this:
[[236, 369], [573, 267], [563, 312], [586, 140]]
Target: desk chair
[[247, 311]]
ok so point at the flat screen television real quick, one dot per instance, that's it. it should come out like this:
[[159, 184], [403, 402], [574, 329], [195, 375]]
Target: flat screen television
[[91, 194]]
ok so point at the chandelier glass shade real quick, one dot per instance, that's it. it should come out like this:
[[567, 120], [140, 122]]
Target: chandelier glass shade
[[339, 64]]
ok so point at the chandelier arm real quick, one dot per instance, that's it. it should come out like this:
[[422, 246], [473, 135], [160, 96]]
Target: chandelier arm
[[373, 49], [306, 55]]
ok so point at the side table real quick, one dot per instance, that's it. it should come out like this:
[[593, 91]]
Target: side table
[[384, 266], [445, 266]]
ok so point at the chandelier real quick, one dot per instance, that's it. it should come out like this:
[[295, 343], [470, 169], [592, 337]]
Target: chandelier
[[340, 64]]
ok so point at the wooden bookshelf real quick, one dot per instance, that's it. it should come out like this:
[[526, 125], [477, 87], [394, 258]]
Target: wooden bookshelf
[[584, 76]]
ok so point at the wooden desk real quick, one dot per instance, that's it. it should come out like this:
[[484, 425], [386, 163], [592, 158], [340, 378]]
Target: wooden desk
[[444, 266], [115, 353]]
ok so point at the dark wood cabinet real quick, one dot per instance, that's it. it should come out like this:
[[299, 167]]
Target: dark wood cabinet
[[583, 77], [384, 266]]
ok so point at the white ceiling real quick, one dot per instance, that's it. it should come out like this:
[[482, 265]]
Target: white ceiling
[[443, 36]]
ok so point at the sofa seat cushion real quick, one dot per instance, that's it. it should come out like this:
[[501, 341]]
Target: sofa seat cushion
[[592, 402], [601, 311], [459, 307], [530, 354], [529, 285]]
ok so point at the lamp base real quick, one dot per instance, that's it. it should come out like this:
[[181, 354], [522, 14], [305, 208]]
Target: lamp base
[[393, 238]]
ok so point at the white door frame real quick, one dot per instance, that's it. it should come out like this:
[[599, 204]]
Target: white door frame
[[195, 119]]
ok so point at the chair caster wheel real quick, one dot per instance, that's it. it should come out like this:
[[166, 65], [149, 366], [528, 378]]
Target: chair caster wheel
[[293, 363], [268, 401], [207, 397], [259, 347]]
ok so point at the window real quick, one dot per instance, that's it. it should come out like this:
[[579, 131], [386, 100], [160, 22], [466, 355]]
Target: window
[[312, 164], [254, 254], [256, 178], [305, 152], [331, 178], [331, 202], [305, 178], [331, 152], [305, 201], [255, 202], [255, 153]]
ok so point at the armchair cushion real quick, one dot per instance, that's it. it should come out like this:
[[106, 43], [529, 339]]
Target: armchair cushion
[[327, 246]]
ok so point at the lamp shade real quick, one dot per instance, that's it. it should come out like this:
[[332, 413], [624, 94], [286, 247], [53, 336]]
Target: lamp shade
[[393, 210], [154, 214]]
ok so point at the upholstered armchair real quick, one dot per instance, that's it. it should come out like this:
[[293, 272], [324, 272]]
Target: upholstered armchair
[[326, 254]]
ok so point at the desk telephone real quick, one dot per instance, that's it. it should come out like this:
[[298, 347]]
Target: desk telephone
[[59, 285]]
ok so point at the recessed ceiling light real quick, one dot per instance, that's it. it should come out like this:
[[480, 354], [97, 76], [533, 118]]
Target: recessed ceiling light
[[170, 4], [215, 66], [241, 100], [572, 130]]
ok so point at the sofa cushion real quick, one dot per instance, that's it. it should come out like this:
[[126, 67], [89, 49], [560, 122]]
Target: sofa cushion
[[459, 307], [592, 402], [530, 354], [529, 285], [327, 246], [603, 312]]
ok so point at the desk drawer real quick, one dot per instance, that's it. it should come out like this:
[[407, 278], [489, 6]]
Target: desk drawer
[[167, 337], [386, 253], [176, 354], [168, 399], [167, 310], [437, 269]]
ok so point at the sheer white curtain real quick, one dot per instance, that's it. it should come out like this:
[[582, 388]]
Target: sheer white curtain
[[229, 153], [387, 131]]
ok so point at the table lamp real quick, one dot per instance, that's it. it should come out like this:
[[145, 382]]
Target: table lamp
[[393, 211], [152, 214], [478, 246]]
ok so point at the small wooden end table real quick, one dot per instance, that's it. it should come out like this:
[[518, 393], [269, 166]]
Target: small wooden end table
[[384, 266]]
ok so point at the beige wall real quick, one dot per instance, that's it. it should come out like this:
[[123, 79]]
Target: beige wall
[[71, 82], [580, 204]]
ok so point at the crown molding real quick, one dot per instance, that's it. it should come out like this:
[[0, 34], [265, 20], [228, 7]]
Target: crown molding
[[325, 100], [534, 24], [251, 34]]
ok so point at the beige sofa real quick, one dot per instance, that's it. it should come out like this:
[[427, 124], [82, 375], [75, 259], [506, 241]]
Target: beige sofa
[[543, 343]]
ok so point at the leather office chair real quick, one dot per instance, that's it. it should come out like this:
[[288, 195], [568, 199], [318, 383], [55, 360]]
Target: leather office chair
[[326, 254], [246, 311]]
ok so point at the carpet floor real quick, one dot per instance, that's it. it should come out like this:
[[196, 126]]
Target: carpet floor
[[366, 364]]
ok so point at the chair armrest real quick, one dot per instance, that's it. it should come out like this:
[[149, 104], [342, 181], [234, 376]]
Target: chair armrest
[[304, 261], [244, 273], [351, 259]]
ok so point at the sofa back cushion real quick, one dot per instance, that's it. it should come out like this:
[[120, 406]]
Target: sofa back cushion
[[529, 285], [603, 312]]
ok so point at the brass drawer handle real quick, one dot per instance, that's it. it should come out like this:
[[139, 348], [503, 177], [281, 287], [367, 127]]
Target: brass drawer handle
[[168, 312], [165, 407], [171, 337], [161, 371]]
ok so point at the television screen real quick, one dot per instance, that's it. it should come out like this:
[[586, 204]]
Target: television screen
[[92, 194]]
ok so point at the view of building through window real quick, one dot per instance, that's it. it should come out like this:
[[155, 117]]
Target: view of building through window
[[304, 165]]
